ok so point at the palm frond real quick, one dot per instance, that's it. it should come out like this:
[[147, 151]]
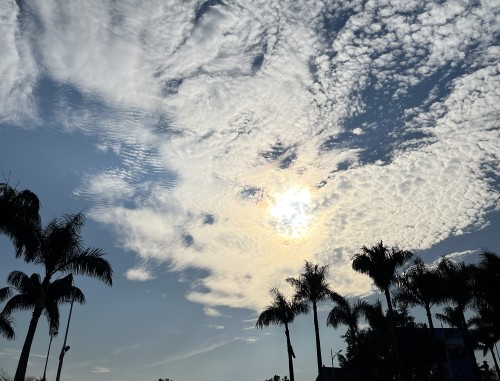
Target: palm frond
[[19, 302], [6, 329], [88, 262], [5, 293]]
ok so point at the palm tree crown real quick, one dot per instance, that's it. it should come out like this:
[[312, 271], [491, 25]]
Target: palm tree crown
[[30, 293], [381, 264], [419, 285], [61, 250], [281, 311], [19, 217], [345, 313]]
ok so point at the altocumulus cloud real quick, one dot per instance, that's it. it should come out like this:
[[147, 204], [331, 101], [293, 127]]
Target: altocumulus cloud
[[386, 112]]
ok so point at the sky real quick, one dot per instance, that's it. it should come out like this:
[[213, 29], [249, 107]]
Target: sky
[[215, 146]]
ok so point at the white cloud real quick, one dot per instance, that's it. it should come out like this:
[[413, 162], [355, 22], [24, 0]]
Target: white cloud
[[18, 68], [212, 312], [390, 122], [139, 274]]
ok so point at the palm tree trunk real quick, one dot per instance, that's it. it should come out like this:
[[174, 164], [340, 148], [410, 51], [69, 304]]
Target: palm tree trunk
[[25, 353], [495, 360], [468, 342], [318, 344], [290, 352], [433, 335], [393, 332]]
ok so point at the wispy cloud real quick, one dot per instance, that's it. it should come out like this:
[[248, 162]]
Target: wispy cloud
[[103, 369], [188, 354], [124, 349]]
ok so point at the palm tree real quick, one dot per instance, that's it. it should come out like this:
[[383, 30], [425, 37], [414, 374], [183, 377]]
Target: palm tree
[[381, 264], [345, 313], [61, 252], [31, 295], [452, 317], [19, 217], [6, 329], [458, 285], [312, 287], [419, 285], [486, 281], [282, 312]]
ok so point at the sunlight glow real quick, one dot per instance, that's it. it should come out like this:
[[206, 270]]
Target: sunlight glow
[[290, 211]]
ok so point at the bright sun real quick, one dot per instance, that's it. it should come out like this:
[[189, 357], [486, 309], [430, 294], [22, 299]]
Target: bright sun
[[290, 211]]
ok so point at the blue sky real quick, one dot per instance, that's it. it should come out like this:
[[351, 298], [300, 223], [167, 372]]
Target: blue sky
[[215, 146]]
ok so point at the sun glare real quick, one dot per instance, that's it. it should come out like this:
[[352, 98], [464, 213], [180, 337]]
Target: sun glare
[[290, 212]]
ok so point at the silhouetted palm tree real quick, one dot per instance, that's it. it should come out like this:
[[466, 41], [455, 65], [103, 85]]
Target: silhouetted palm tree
[[381, 264], [31, 294], [486, 281], [6, 329], [457, 280], [19, 217], [312, 287], [282, 312], [452, 316], [419, 285], [60, 250], [345, 313]]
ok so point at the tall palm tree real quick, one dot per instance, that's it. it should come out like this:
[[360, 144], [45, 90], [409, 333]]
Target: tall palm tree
[[458, 285], [381, 263], [345, 313], [6, 329], [282, 312], [312, 287], [60, 251], [419, 285], [19, 217]]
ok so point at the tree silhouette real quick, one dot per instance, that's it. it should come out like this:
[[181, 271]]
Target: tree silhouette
[[345, 313], [282, 312], [32, 295], [381, 264], [420, 286], [312, 287], [6, 329], [60, 251], [19, 218], [458, 285]]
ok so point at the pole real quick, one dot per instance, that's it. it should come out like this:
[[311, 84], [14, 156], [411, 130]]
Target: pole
[[47, 360], [333, 356], [64, 347]]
